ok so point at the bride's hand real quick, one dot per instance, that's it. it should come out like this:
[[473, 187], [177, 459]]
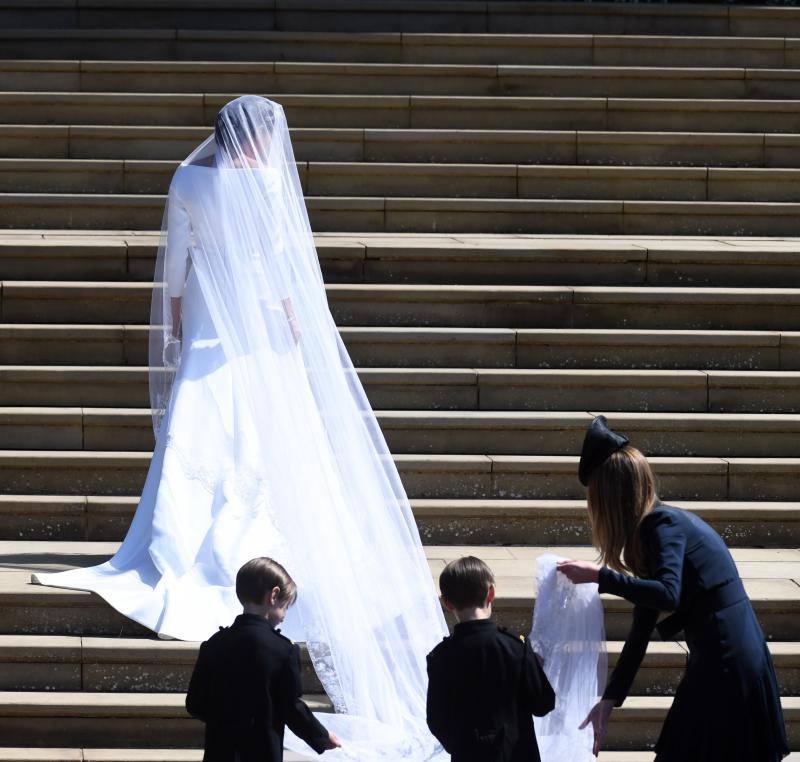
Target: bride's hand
[[598, 717], [171, 352], [295, 329], [579, 572], [288, 308]]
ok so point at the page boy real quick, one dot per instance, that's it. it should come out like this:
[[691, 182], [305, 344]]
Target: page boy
[[246, 683], [484, 683]]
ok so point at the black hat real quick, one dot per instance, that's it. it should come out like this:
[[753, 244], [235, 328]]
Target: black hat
[[598, 446]]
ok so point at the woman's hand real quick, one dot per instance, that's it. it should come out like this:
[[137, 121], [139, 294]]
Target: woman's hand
[[598, 717], [333, 741], [579, 572]]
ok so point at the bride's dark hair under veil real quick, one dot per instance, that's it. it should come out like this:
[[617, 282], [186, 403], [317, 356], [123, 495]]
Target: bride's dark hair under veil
[[236, 129], [310, 462]]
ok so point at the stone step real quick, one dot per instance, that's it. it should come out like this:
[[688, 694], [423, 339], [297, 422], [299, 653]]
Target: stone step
[[127, 344], [736, 435], [611, 349], [434, 215], [401, 47], [466, 306], [29, 609], [442, 521], [396, 16], [398, 79], [86, 472], [151, 720], [514, 565], [122, 665], [102, 719], [409, 258], [414, 111], [620, 348], [71, 255], [454, 389], [564, 147], [375, 179]]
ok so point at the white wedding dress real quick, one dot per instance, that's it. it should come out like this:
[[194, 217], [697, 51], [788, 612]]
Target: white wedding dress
[[197, 521]]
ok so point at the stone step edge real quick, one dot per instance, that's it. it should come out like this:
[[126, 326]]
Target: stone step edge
[[59, 203], [758, 510], [266, 66], [775, 596], [545, 420], [121, 650], [345, 169], [565, 463], [417, 332], [576, 295], [214, 99], [200, 66], [450, 375], [571, 40], [632, 242]]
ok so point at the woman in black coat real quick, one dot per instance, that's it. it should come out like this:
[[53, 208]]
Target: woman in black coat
[[662, 559]]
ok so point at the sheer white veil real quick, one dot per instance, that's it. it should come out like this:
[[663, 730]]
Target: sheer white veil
[[568, 632], [315, 484]]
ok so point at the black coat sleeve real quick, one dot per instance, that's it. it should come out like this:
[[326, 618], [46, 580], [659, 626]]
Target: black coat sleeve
[[537, 696], [665, 542], [199, 693], [438, 703], [295, 711]]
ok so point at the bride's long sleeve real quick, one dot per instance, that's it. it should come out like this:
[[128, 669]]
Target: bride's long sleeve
[[177, 245]]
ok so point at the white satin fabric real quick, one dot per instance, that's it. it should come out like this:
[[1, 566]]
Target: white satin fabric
[[266, 445], [568, 632]]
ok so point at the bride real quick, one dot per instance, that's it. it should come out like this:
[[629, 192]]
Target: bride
[[266, 446]]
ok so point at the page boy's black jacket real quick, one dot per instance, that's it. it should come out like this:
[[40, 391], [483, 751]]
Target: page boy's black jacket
[[246, 688], [483, 686]]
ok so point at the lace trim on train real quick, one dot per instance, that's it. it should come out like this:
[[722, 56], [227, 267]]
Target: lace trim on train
[[247, 484]]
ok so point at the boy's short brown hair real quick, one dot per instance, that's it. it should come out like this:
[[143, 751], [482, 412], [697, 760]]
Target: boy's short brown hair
[[259, 576], [465, 582]]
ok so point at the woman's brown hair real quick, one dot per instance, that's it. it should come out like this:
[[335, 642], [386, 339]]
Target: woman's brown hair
[[621, 493]]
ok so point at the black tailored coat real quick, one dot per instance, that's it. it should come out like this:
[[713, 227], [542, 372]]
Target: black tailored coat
[[246, 688], [727, 706], [483, 686]]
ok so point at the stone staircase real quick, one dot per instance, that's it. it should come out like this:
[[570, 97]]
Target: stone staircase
[[527, 213]]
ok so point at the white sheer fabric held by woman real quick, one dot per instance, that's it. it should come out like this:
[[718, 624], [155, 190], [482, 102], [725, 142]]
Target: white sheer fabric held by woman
[[569, 634]]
